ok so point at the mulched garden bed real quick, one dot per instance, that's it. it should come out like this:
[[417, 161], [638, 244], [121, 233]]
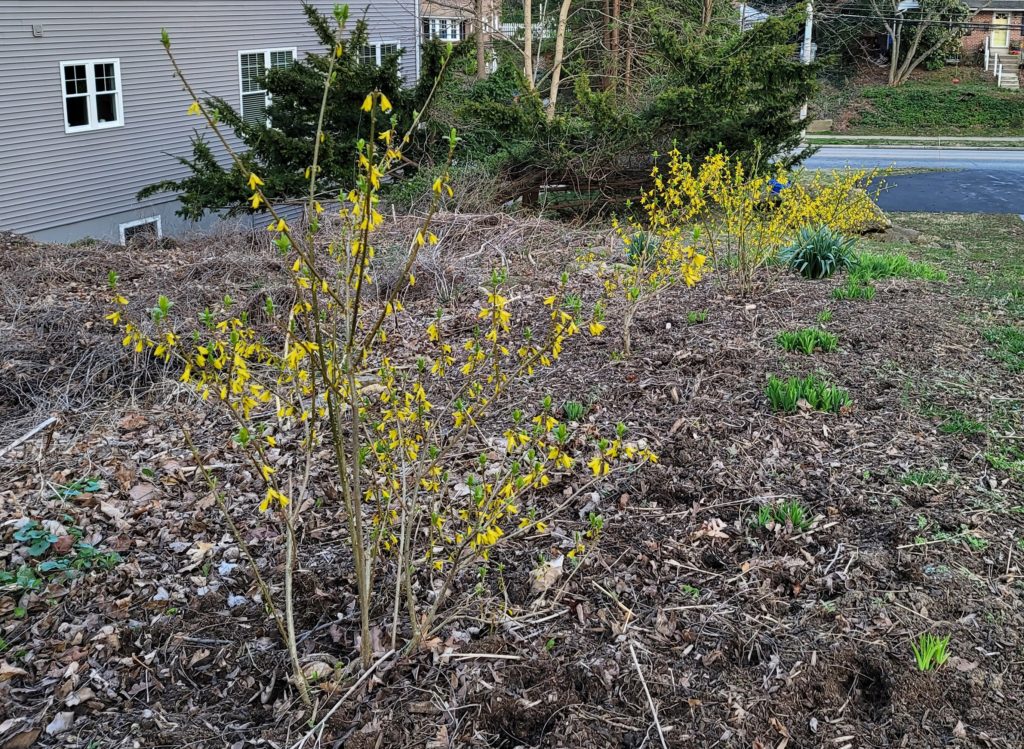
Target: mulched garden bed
[[738, 636]]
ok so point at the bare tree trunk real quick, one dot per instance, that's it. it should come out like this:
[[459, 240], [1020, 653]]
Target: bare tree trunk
[[627, 73], [528, 42], [481, 52], [606, 37], [894, 56], [556, 68], [705, 14], [615, 46], [913, 59]]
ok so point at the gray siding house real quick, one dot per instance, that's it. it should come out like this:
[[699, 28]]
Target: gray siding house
[[91, 113]]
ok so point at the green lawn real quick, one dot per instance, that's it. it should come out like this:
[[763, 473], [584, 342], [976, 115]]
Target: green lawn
[[932, 105]]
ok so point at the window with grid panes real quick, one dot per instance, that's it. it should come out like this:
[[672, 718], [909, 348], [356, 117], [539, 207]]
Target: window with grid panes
[[445, 29], [373, 54], [252, 66], [92, 94]]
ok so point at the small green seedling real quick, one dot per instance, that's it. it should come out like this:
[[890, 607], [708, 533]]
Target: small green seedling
[[690, 590], [696, 316], [825, 316], [790, 513], [573, 410], [808, 340], [926, 477], [930, 651]]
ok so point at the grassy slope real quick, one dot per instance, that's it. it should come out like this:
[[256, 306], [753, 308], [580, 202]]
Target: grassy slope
[[931, 104]]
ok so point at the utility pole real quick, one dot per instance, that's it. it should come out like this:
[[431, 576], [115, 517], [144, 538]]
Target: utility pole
[[806, 54]]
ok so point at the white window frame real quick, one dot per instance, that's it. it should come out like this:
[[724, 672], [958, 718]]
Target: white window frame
[[433, 22], [140, 222], [376, 45], [90, 94], [266, 52]]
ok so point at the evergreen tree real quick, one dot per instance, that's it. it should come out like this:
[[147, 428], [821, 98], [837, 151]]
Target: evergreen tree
[[281, 149]]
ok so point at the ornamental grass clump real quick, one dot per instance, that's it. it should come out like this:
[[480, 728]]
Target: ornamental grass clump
[[789, 395], [818, 252], [354, 404]]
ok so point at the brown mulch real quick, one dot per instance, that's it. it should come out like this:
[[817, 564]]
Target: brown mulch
[[743, 637]]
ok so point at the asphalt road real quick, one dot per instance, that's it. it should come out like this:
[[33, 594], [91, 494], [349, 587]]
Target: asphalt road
[[985, 180]]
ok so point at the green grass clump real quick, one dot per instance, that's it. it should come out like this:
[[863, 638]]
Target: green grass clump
[[870, 266], [960, 423], [818, 252], [930, 651], [926, 477], [790, 513], [573, 410], [808, 340], [825, 316], [696, 316], [1008, 343], [786, 395], [854, 289]]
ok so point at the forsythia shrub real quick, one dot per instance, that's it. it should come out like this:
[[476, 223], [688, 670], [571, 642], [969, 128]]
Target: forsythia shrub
[[719, 214], [336, 403]]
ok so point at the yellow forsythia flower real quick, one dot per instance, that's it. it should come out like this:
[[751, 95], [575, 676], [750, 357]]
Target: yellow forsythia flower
[[254, 181], [368, 103], [195, 109], [384, 103]]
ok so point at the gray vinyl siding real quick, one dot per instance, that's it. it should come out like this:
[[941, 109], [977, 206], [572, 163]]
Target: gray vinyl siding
[[52, 182]]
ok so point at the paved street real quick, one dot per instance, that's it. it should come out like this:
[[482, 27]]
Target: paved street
[[986, 180]]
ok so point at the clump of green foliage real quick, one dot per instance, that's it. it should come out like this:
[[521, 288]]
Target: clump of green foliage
[[1008, 343], [791, 513], [854, 289], [40, 542], [924, 477], [694, 317], [818, 252], [870, 266], [930, 651], [808, 340], [958, 422], [573, 410], [642, 249], [786, 395], [825, 316]]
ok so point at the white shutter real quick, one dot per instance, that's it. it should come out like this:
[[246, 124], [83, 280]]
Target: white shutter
[[254, 108]]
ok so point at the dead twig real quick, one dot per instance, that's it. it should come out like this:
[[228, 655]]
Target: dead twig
[[28, 435], [650, 700]]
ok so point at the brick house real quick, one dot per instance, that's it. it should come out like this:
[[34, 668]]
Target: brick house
[[1002, 21]]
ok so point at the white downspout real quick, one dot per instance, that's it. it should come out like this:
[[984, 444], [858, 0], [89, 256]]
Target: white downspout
[[417, 31]]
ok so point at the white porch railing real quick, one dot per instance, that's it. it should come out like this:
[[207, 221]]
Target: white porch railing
[[515, 30], [986, 53]]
